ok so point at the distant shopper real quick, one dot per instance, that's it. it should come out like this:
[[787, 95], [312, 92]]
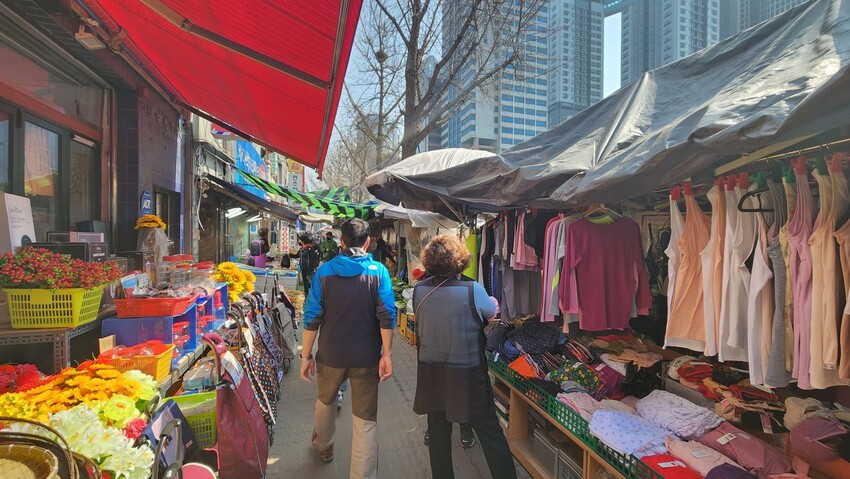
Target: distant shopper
[[351, 308], [259, 248], [308, 260], [328, 248], [382, 251], [286, 259], [452, 385]]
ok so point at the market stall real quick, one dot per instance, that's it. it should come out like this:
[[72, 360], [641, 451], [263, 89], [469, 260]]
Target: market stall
[[591, 254], [181, 339]]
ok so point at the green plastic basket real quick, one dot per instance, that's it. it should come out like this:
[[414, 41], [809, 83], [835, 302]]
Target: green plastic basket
[[629, 466], [199, 410]]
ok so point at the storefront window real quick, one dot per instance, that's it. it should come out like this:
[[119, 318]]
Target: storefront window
[[41, 177], [84, 176], [54, 82], [4, 152]]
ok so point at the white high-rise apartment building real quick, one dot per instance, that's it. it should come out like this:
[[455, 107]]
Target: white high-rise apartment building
[[657, 32], [560, 75], [753, 12], [576, 44], [509, 110]]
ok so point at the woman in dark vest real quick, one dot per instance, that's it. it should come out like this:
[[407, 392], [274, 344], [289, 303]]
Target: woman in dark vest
[[452, 385]]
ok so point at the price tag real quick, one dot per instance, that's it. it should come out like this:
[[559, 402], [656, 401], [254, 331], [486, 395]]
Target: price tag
[[232, 366], [667, 465], [726, 439], [766, 423], [700, 453], [107, 343]]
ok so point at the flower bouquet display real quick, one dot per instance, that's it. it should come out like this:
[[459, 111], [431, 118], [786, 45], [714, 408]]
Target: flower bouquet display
[[50, 290], [152, 238], [95, 407], [238, 281]]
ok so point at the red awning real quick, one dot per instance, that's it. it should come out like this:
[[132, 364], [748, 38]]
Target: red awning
[[269, 70]]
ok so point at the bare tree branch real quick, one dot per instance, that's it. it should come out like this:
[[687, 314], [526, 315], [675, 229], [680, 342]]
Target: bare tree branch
[[398, 28]]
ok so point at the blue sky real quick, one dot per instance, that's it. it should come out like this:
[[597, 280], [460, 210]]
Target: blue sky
[[611, 55]]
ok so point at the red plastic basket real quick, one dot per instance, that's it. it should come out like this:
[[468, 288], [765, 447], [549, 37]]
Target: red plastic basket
[[152, 307]]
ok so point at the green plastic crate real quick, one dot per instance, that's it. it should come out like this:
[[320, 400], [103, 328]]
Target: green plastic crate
[[629, 466], [199, 410]]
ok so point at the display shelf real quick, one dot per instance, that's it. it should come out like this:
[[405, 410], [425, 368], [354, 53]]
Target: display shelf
[[521, 446], [525, 398], [183, 364], [58, 340]]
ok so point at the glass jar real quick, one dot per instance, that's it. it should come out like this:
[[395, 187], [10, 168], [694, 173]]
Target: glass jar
[[165, 271], [182, 276], [203, 277]]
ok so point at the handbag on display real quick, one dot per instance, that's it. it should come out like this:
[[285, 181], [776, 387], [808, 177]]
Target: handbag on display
[[243, 451]]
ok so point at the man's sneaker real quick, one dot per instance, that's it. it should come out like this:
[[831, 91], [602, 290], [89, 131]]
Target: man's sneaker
[[427, 438], [327, 455], [467, 438]]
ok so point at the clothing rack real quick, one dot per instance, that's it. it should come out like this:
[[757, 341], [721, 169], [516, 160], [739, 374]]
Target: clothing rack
[[743, 162]]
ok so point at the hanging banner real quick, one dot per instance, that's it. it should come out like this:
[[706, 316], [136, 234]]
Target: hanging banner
[[248, 159]]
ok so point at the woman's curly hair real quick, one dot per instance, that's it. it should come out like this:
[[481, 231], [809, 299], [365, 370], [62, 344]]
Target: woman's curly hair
[[445, 256]]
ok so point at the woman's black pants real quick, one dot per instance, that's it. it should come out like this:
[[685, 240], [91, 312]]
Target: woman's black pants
[[490, 436]]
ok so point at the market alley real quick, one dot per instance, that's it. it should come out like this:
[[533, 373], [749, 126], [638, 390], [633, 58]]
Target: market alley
[[402, 452]]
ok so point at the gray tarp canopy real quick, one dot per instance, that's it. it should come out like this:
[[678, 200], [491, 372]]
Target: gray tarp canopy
[[783, 79]]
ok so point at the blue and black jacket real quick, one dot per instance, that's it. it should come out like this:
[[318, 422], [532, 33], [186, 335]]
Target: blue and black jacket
[[351, 299]]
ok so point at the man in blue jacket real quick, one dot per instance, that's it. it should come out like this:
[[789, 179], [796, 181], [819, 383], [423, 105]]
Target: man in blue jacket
[[351, 302]]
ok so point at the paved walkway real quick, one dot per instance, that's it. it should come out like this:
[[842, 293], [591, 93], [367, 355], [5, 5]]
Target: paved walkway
[[402, 453]]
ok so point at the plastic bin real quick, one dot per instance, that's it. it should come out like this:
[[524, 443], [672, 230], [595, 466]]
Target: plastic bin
[[546, 452], [199, 410], [157, 366], [570, 464], [133, 331], [151, 307], [289, 280], [46, 308]]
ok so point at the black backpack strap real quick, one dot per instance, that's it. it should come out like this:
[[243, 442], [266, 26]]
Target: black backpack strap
[[475, 314]]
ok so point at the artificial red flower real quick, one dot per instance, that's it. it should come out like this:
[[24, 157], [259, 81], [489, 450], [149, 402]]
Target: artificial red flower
[[135, 428]]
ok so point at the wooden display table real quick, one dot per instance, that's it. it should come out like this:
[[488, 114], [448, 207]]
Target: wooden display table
[[591, 455], [521, 445]]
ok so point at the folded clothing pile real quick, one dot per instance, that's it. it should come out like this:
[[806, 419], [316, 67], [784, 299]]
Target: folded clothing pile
[[751, 453], [670, 467], [676, 414], [582, 403], [628, 434], [699, 457]]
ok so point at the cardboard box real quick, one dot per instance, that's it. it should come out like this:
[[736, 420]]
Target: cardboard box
[[16, 225]]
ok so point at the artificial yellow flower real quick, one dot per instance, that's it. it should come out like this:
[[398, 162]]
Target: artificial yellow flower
[[150, 221], [109, 373], [249, 276]]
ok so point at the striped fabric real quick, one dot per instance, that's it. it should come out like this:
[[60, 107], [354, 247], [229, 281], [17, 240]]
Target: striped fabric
[[339, 195], [323, 201]]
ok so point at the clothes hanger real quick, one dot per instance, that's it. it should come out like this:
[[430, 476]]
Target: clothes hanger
[[592, 209], [836, 162], [675, 193], [730, 182], [743, 183]]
